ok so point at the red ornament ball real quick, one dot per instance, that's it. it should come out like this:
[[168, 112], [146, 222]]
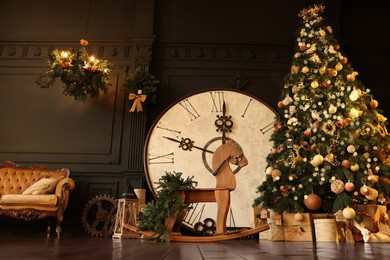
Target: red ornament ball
[[312, 202], [349, 186], [275, 173], [346, 164], [84, 42], [308, 133], [373, 103], [365, 190]]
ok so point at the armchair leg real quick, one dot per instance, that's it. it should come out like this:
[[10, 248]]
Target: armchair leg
[[48, 230], [60, 217], [58, 231]]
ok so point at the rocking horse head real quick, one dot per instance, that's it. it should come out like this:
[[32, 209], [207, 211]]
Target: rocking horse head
[[226, 154]]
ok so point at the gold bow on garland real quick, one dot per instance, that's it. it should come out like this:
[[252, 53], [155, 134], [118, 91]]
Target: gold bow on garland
[[138, 98]]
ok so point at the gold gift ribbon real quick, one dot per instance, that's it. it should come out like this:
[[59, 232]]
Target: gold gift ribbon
[[137, 102]]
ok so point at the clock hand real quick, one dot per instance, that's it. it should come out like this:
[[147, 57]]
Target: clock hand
[[187, 144], [224, 123]]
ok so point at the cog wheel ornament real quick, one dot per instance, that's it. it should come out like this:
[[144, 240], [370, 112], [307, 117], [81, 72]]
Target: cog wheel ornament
[[98, 216]]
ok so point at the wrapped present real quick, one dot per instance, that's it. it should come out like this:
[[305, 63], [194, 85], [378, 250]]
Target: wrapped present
[[329, 227], [298, 227], [276, 233], [326, 230], [371, 216], [260, 216]]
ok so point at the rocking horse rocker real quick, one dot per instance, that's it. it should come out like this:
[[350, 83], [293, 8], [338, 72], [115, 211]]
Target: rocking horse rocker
[[226, 154]]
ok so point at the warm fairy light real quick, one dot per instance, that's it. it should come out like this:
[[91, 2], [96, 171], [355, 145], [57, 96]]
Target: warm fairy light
[[64, 54], [92, 58]]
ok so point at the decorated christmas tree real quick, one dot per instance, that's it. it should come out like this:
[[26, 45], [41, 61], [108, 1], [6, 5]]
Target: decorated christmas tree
[[330, 144]]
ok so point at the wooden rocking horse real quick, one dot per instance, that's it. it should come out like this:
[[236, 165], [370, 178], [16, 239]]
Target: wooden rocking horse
[[226, 154], [225, 179]]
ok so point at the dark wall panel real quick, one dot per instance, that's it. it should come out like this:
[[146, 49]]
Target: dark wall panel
[[198, 45]]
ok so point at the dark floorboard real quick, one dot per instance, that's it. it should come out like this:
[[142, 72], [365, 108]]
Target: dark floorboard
[[74, 248]]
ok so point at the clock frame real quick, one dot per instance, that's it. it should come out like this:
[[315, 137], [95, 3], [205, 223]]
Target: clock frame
[[185, 135]]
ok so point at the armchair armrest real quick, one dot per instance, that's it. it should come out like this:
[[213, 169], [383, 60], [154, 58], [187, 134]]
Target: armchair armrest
[[64, 186]]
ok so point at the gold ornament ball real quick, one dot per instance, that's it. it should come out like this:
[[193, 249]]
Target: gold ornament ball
[[317, 160], [337, 186], [351, 148], [314, 84], [339, 66], [349, 213], [305, 69], [312, 202], [355, 167], [269, 170]]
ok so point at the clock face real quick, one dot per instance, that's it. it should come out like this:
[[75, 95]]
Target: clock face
[[185, 136]]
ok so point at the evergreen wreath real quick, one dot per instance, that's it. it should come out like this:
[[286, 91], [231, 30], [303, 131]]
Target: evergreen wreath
[[82, 75], [141, 81]]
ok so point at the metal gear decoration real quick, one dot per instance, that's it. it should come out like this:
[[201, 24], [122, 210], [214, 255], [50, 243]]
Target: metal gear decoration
[[98, 216]]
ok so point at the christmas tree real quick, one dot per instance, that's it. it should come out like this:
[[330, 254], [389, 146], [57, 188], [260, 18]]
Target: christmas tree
[[330, 144]]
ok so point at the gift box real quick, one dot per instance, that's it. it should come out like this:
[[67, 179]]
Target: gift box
[[274, 220], [298, 227], [329, 227], [260, 215], [276, 233], [326, 230], [371, 216]]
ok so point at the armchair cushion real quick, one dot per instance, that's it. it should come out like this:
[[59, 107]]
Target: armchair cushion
[[42, 186], [28, 200]]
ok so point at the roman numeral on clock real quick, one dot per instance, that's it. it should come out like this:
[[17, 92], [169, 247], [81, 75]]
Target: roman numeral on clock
[[267, 128], [192, 113], [160, 158], [218, 98], [174, 132], [246, 108]]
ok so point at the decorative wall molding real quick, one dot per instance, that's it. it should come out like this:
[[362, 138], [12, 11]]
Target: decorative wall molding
[[223, 52], [138, 50], [251, 53]]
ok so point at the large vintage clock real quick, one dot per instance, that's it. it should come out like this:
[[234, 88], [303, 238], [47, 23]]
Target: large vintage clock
[[184, 137]]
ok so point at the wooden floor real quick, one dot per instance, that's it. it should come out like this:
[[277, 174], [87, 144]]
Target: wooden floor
[[73, 248]]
